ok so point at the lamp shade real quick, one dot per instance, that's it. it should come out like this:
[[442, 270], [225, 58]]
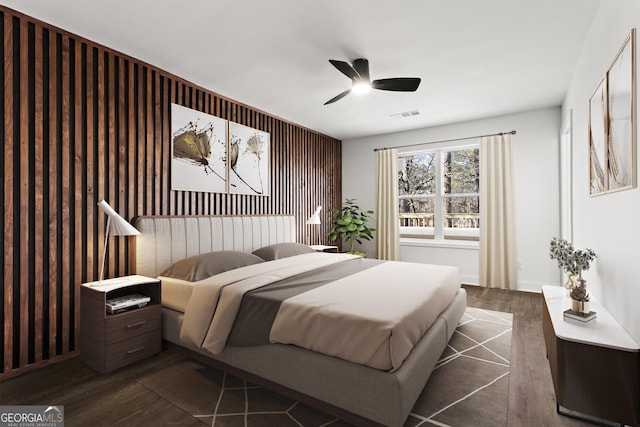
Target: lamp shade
[[315, 218], [118, 225]]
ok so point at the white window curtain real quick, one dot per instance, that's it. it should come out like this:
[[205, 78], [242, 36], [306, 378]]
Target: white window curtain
[[497, 230], [388, 227]]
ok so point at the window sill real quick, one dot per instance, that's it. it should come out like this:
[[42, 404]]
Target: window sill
[[449, 244]]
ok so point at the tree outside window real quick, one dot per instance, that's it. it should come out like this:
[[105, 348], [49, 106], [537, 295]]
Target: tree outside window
[[439, 194]]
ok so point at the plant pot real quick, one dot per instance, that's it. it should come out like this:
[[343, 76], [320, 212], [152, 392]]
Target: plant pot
[[586, 307], [576, 306], [580, 306]]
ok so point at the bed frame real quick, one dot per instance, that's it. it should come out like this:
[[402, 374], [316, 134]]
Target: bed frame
[[358, 394]]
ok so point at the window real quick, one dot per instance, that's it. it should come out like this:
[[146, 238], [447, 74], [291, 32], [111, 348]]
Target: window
[[439, 194]]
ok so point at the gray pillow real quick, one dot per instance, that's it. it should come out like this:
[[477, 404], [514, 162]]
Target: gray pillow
[[201, 266], [282, 250]]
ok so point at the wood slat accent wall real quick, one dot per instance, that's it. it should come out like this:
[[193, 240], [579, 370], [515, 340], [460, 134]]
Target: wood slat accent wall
[[82, 122]]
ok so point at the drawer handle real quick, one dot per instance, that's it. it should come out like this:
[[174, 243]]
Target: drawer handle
[[135, 350], [133, 325]]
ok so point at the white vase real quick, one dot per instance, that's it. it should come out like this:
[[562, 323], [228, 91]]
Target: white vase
[[580, 306], [586, 307]]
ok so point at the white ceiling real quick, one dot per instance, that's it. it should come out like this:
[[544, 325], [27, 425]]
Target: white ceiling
[[476, 58]]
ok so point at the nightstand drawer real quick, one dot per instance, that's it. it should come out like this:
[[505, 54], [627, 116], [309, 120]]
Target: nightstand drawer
[[131, 350], [132, 323]]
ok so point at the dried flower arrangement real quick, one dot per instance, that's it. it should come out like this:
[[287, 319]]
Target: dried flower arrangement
[[573, 262]]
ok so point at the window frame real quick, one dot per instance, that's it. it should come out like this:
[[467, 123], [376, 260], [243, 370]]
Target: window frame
[[439, 234]]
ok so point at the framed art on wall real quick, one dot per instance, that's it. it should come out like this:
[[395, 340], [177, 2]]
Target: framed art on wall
[[621, 109], [198, 151], [612, 125], [248, 160]]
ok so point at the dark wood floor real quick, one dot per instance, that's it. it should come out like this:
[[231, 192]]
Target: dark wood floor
[[121, 399], [531, 396]]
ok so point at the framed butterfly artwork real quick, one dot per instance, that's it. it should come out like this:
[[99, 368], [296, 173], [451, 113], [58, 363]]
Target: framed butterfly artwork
[[198, 151]]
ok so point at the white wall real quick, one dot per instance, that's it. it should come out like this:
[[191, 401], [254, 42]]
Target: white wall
[[607, 223], [535, 152]]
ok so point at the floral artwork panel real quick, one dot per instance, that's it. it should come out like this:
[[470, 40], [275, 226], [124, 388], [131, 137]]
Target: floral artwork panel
[[198, 151], [248, 160], [621, 112], [598, 140]]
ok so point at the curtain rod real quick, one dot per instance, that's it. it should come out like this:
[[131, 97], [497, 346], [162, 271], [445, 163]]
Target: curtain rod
[[513, 132]]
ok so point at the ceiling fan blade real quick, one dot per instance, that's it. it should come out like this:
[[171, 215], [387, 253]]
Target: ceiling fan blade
[[398, 84], [362, 68], [345, 68], [338, 97]]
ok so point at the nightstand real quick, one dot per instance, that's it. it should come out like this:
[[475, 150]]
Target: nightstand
[[111, 341], [596, 367]]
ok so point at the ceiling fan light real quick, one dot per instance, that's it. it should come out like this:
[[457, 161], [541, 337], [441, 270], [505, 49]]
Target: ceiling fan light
[[360, 87]]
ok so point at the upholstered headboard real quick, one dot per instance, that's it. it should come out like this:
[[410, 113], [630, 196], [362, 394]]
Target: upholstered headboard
[[167, 239]]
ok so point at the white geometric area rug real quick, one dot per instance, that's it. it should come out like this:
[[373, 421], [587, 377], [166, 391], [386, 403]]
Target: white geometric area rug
[[468, 387], [470, 384]]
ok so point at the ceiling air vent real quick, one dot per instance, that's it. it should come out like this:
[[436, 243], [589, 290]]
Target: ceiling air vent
[[406, 114]]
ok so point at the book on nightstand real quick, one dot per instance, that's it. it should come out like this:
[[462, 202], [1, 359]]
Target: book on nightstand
[[126, 303], [579, 317]]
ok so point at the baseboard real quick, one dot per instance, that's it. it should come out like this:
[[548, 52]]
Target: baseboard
[[470, 279]]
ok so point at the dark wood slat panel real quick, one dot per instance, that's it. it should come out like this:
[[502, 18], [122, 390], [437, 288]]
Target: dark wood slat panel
[[111, 147], [149, 160], [23, 189], [64, 198], [100, 153], [39, 161], [132, 140], [79, 183], [157, 134], [165, 140], [52, 163], [97, 124], [8, 192], [90, 201], [121, 158], [139, 90]]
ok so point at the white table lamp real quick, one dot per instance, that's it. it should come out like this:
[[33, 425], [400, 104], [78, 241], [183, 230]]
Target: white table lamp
[[315, 220], [117, 225]]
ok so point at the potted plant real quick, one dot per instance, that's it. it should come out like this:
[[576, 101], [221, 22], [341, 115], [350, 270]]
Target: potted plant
[[573, 262], [350, 224]]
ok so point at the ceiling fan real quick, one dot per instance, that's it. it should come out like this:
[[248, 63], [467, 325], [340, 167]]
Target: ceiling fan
[[360, 81]]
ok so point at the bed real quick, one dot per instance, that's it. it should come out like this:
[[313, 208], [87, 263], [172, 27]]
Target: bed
[[381, 389]]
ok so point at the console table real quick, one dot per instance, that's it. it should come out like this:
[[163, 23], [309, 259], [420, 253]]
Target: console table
[[595, 367]]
